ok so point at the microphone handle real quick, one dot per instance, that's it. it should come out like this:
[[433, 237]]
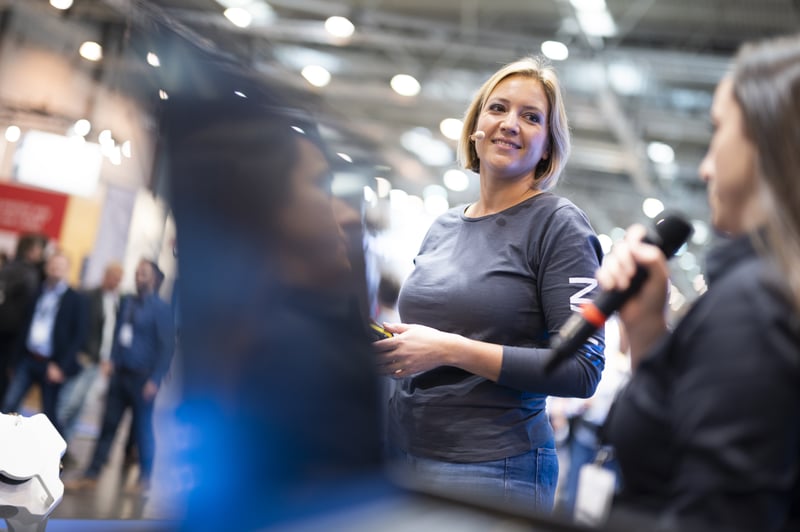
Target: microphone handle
[[578, 328], [669, 234]]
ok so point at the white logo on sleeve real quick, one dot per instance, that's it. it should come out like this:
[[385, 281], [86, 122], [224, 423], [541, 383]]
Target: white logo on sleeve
[[578, 298]]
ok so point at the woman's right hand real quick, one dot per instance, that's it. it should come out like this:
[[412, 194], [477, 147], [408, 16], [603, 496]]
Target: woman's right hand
[[643, 315], [412, 349]]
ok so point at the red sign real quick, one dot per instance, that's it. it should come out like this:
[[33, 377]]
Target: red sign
[[31, 210]]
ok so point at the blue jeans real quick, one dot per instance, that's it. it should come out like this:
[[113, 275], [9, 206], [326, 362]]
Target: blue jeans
[[73, 396], [28, 371], [526, 480], [125, 391]]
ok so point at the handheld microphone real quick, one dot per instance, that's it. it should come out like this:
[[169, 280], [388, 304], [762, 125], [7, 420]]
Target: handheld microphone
[[478, 135], [670, 234]]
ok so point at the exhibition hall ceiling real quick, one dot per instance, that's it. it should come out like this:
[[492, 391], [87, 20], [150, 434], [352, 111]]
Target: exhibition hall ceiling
[[638, 78]]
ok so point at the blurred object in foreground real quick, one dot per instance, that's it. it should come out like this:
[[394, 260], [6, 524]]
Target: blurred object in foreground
[[280, 398], [30, 458]]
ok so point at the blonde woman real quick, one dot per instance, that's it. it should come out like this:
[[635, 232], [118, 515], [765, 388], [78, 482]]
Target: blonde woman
[[492, 282]]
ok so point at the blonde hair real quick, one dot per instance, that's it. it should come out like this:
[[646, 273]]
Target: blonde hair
[[766, 85], [548, 170]]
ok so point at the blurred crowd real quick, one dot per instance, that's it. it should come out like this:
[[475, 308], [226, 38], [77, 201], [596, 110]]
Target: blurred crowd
[[62, 338]]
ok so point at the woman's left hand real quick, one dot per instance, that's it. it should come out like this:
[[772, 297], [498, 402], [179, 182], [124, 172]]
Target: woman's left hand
[[413, 349]]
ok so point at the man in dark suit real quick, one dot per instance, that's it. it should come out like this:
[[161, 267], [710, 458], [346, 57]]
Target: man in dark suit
[[56, 329]]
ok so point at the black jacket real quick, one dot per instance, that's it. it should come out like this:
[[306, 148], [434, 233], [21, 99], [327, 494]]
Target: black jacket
[[707, 430], [19, 282], [69, 331]]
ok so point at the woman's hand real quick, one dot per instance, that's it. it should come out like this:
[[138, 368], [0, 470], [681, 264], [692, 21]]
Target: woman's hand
[[413, 349], [643, 315]]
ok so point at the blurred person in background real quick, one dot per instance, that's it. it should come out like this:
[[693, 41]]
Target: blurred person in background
[[492, 282], [388, 292], [19, 283], [582, 420], [95, 356], [142, 349], [280, 392], [706, 432], [54, 333]]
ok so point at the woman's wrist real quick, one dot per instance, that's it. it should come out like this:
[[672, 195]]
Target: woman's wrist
[[477, 357], [451, 349]]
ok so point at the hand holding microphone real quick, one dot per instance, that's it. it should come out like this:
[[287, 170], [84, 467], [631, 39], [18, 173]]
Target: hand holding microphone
[[669, 234]]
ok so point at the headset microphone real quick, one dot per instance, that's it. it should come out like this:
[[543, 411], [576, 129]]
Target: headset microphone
[[671, 232], [478, 135]]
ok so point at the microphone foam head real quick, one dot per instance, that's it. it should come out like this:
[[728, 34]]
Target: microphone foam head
[[673, 231]]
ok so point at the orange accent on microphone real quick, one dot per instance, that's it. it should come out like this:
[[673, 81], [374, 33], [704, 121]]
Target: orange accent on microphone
[[593, 315]]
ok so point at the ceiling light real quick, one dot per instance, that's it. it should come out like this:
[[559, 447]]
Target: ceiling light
[[339, 27], [82, 127], [661, 153], [153, 60], [316, 75], [240, 94], [91, 51], [163, 94], [557, 51], [260, 11], [589, 5], [345, 157], [451, 128], [105, 138], [652, 207], [61, 4], [598, 24], [405, 85], [240, 17], [456, 180], [13, 133]]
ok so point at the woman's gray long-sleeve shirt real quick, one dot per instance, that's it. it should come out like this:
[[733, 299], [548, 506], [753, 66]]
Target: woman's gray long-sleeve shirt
[[511, 278]]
